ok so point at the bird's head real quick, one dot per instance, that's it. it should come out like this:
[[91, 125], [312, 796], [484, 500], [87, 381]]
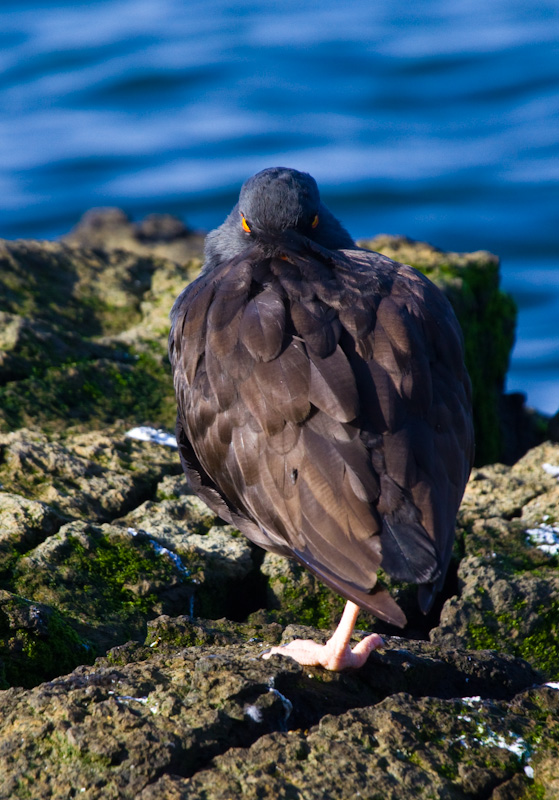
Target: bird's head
[[277, 200], [277, 207]]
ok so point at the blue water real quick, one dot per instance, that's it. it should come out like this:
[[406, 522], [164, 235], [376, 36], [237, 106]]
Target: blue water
[[438, 120]]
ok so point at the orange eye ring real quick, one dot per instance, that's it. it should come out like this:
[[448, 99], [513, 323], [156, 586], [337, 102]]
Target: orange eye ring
[[314, 223], [244, 224]]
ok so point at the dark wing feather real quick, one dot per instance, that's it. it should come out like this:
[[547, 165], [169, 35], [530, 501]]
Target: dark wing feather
[[262, 326], [332, 385], [324, 409], [317, 324], [284, 382]]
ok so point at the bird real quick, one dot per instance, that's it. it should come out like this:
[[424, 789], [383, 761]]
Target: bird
[[323, 404]]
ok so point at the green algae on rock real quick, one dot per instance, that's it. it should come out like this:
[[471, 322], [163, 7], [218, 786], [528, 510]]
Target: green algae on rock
[[168, 633], [23, 525], [36, 642], [294, 594], [495, 610], [105, 580], [167, 555], [224, 559]]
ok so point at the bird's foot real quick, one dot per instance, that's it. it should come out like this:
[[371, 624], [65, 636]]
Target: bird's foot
[[334, 655]]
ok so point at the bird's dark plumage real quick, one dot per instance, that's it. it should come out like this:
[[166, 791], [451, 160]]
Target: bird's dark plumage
[[323, 403]]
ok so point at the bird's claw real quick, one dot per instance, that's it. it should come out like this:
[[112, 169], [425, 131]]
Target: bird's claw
[[329, 655]]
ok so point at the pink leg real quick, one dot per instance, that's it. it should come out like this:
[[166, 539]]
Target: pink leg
[[336, 654]]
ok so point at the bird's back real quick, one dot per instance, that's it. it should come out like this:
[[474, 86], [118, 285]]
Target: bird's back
[[324, 409]]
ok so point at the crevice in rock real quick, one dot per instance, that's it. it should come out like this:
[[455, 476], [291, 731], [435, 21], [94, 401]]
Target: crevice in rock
[[249, 596], [409, 667]]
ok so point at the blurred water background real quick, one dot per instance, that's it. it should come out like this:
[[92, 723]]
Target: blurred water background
[[438, 120]]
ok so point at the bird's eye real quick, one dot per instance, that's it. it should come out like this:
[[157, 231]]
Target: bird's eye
[[244, 223], [314, 223]]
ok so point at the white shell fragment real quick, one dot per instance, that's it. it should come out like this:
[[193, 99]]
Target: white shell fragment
[[544, 537], [155, 435]]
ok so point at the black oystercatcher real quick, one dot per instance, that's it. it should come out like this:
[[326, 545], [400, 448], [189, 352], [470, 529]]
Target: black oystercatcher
[[323, 403]]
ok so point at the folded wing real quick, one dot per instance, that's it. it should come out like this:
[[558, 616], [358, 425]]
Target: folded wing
[[324, 409]]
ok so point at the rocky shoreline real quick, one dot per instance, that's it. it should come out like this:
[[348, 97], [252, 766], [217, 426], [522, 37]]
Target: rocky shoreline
[[132, 621]]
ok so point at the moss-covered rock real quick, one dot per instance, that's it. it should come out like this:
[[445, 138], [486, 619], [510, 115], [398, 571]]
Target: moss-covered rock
[[226, 570], [89, 292], [89, 346], [498, 611], [488, 319], [36, 643], [169, 554], [101, 542], [106, 580], [295, 595], [27, 343], [133, 386], [168, 633]]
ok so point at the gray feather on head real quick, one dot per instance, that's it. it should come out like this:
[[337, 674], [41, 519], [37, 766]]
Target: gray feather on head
[[273, 201]]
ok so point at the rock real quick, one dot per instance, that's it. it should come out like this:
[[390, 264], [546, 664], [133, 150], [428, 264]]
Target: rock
[[104, 580], [95, 292], [421, 668], [508, 597], [373, 752], [293, 593], [91, 346], [218, 721], [98, 476], [114, 729], [23, 524], [497, 491], [168, 633], [24, 342], [158, 234], [503, 612], [176, 519], [223, 556]]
